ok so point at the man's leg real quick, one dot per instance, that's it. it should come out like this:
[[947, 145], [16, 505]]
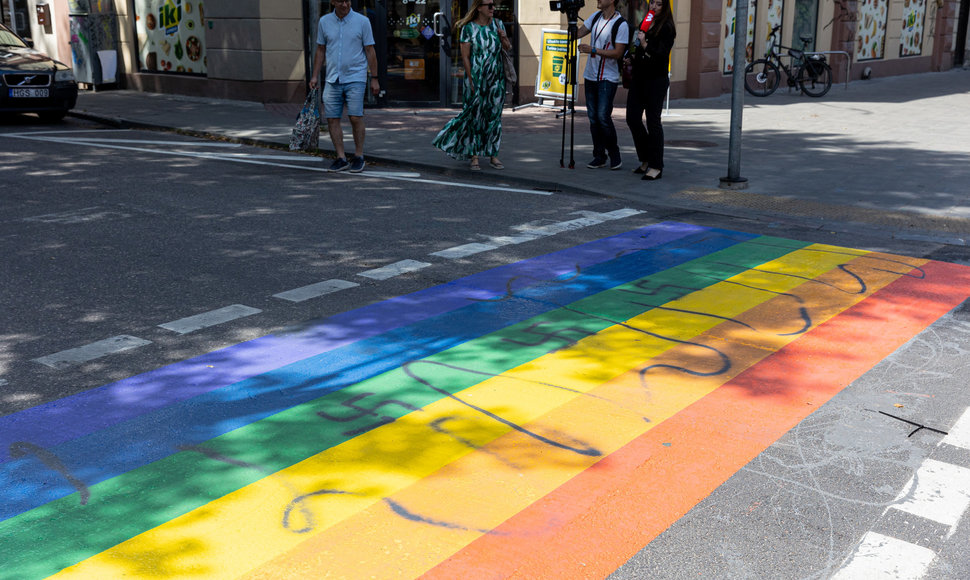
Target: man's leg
[[592, 111], [336, 136], [607, 91], [333, 109], [355, 110], [357, 124]]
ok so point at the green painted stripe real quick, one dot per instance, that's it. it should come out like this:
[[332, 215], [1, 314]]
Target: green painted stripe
[[125, 506]]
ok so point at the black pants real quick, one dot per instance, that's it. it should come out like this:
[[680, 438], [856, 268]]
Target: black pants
[[647, 96]]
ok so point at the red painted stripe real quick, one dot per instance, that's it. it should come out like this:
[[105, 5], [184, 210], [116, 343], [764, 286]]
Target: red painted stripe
[[610, 511]]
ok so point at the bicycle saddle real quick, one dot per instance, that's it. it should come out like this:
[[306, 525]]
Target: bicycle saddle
[[807, 39]]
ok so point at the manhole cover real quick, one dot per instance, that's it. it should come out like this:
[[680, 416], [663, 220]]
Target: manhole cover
[[687, 143]]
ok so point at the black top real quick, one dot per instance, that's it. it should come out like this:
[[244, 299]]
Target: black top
[[652, 61]]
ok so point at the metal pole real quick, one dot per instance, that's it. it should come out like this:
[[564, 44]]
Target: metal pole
[[734, 179]]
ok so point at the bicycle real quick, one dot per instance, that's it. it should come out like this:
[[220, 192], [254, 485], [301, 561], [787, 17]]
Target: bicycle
[[812, 74]]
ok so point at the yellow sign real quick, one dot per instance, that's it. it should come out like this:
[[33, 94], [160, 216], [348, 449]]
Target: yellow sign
[[551, 79]]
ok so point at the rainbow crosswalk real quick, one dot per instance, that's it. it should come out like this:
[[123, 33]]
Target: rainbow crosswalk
[[542, 419]]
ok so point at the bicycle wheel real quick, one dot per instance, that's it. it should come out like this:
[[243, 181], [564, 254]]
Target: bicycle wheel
[[761, 78], [815, 77]]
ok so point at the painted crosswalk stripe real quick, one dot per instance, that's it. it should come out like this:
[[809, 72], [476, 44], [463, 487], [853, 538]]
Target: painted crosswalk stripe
[[395, 269], [529, 232], [464, 251], [211, 318], [880, 556], [314, 290], [938, 491], [89, 352], [959, 434]]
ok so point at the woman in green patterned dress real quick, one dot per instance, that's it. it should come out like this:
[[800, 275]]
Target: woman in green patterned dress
[[477, 130]]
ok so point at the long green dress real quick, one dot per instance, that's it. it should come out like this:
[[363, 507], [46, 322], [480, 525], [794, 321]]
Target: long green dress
[[477, 130]]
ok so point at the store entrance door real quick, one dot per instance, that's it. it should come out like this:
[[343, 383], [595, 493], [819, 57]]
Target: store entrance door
[[419, 51]]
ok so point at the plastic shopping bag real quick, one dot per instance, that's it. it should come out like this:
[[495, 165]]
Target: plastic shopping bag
[[306, 133]]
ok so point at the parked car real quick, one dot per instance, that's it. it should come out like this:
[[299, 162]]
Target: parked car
[[31, 82]]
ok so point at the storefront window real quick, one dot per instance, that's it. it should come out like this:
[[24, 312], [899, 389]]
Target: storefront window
[[871, 30], [806, 20], [911, 38], [729, 15], [171, 36]]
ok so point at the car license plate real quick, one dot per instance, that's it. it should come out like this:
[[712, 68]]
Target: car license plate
[[28, 93]]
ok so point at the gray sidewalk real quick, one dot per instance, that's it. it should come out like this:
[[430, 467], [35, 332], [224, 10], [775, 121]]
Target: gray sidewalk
[[885, 153]]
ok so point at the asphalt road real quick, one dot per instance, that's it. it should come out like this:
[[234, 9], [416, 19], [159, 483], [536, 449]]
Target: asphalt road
[[108, 233], [170, 247]]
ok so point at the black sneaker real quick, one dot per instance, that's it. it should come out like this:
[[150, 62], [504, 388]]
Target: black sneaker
[[357, 164], [616, 164], [339, 164], [596, 163]]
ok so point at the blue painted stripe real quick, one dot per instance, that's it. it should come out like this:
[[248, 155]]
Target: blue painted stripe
[[52, 423], [151, 437]]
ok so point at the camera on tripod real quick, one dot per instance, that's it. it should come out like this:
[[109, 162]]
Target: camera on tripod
[[568, 7]]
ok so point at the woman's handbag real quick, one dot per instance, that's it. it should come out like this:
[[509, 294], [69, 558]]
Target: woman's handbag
[[511, 78], [508, 63], [306, 133], [626, 72]]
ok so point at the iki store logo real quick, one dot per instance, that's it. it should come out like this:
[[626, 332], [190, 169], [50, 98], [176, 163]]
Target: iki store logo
[[169, 16]]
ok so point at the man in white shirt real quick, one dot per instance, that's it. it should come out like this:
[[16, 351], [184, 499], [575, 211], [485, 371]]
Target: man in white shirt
[[346, 41], [602, 77]]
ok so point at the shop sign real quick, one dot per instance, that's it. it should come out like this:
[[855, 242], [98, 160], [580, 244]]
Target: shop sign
[[171, 35]]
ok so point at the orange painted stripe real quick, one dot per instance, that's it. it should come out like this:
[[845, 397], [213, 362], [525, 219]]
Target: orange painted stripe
[[610, 511], [484, 488]]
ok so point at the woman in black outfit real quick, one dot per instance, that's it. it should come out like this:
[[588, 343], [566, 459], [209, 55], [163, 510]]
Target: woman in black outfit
[[651, 59]]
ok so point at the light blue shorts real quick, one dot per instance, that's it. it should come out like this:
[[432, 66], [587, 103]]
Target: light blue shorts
[[336, 94]]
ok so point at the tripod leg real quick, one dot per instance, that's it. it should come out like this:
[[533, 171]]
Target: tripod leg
[[571, 51]]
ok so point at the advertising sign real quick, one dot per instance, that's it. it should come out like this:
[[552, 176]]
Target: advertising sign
[[171, 35], [551, 78], [911, 37]]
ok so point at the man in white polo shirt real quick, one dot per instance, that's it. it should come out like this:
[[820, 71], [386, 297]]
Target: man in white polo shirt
[[346, 42], [609, 35]]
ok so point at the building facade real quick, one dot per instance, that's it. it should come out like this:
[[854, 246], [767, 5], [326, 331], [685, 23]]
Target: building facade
[[260, 50]]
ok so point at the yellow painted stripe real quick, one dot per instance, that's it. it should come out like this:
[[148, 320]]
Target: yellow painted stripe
[[481, 490], [236, 533]]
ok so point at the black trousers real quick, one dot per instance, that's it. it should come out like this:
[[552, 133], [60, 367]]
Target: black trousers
[[647, 96]]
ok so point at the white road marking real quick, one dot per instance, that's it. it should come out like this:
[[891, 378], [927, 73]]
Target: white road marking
[[71, 132], [880, 556], [366, 175], [395, 269], [512, 240], [533, 232], [92, 351], [938, 491], [315, 290], [211, 318], [463, 251], [559, 227], [97, 141], [959, 434], [75, 216]]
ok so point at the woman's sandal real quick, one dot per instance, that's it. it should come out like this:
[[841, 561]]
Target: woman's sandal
[[641, 169], [475, 166], [495, 163], [648, 177]]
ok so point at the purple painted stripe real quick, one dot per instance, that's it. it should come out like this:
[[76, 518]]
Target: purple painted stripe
[[84, 413]]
